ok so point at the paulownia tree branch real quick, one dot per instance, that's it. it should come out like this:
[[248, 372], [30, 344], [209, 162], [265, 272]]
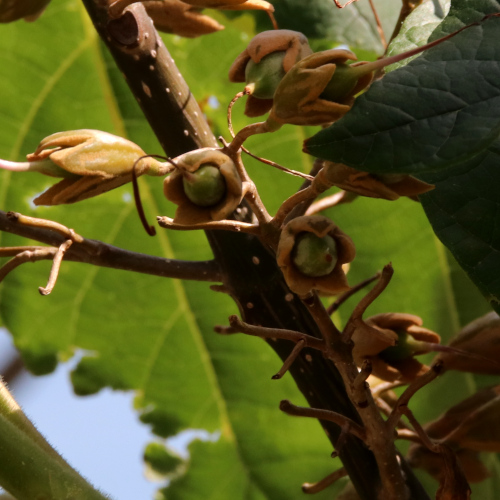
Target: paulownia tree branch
[[100, 254], [258, 289]]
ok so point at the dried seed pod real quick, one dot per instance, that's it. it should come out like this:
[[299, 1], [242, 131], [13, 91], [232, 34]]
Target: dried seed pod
[[179, 18], [390, 341], [471, 426], [302, 97], [262, 65], [387, 187], [90, 162], [213, 200], [30, 10], [481, 339], [301, 283]]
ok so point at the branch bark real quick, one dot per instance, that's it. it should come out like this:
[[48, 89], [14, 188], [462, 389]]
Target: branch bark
[[100, 254]]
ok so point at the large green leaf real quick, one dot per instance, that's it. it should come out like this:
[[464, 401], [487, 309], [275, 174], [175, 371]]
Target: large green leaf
[[155, 336], [438, 111], [446, 132], [322, 20]]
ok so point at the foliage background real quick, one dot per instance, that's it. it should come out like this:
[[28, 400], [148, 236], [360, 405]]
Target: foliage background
[[154, 336]]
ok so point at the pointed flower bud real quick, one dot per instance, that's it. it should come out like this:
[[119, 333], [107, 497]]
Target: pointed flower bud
[[481, 339], [179, 18], [30, 10], [470, 427], [263, 64], [387, 187], [311, 253], [205, 186], [390, 341], [90, 162]]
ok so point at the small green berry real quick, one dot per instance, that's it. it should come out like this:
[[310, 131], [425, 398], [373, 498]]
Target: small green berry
[[314, 256], [265, 75], [205, 187]]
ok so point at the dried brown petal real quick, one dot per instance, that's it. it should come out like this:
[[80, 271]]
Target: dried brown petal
[[179, 18], [301, 284], [189, 213], [481, 339], [373, 186], [469, 427]]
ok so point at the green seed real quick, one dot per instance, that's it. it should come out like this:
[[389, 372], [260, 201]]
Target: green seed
[[405, 348], [265, 75], [314, 256], [205, 187], [342, 83]]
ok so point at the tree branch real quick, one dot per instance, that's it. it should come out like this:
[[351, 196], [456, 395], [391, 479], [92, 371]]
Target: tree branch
[[103, 255]]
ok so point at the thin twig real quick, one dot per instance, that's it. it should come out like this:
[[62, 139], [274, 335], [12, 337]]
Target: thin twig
[[357, 314], [325, 482], [56, 265], [101, 254], [45, 224], [262, 160], [420, 432], [415, 386], [40, 253], [379, 25], [342, 421], [330, 201], [356, 288], [409, 435], [238, 326], [227, 225], [289, 361]]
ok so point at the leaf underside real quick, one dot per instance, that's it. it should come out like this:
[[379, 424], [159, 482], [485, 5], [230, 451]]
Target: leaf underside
[[438, 117]]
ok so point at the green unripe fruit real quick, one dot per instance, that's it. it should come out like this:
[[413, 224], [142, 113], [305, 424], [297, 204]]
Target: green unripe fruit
[[314, 256], [405, 348], [205, 187], [265, 75], [342, 83]]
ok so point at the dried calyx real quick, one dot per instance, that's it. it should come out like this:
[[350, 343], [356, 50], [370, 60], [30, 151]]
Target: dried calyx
[[390, 341], [311, 254], [205, 186], [388, 187], [262, 65]]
